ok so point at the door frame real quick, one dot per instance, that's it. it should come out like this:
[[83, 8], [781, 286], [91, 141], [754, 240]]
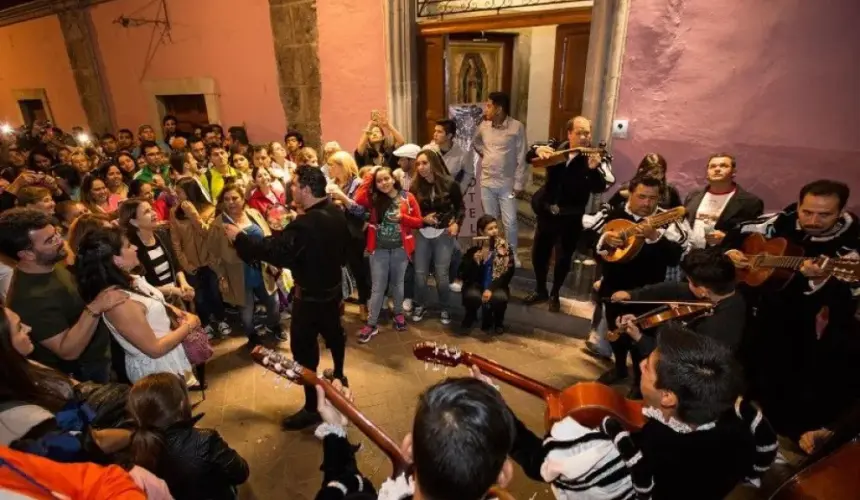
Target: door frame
[[557, 77]]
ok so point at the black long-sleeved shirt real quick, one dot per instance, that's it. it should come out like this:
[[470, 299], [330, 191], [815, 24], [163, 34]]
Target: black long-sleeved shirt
[[725, 323], [313, 247]]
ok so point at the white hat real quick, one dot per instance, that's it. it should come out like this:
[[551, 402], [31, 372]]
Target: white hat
[[407, 151]]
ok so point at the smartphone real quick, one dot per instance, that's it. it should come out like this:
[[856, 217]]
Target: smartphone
[[374, 115]]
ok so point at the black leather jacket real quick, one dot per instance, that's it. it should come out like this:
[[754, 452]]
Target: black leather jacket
[[198, 464]]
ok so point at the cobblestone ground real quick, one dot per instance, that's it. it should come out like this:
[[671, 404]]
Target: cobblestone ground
[[245, 403]]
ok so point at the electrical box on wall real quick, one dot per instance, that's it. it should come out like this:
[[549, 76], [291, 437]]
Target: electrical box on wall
[[620, 129]]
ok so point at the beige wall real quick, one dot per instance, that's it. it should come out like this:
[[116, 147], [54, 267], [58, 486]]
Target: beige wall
[[542, 62]]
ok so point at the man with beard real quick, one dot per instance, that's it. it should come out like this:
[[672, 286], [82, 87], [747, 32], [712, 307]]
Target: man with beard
[[66, 332], [314, 247], [797, 350]]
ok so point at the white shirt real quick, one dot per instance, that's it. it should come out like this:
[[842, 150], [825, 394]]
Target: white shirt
[[709, 212], [503, 150]]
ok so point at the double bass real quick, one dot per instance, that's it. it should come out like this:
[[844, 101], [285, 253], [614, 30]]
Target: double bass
[[586, 402], [293, 371]]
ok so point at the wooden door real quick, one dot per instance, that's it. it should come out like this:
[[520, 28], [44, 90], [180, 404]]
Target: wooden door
[[431, 86], [568, 82]]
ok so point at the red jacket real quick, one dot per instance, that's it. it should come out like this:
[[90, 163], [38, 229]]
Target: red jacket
[[262, 204], [410, 215]]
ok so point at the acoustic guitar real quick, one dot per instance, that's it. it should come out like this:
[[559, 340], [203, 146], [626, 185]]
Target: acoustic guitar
[[586, 402], [833, 477], [629, 232], [773, 262], [294, 372]]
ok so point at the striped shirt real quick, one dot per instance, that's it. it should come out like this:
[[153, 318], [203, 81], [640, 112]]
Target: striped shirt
[[160, 265]]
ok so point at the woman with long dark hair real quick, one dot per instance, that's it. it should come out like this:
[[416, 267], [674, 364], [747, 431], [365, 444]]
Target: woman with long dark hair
[[149, 334], [115, 179], [97, 197], [394, 213], [189, 233], [196, 463], [652, 165], [487, 269], [442, 208]]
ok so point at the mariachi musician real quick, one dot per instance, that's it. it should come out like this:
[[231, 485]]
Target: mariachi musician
[[711, 282], [561, 202], [662, 248], [798, 352]]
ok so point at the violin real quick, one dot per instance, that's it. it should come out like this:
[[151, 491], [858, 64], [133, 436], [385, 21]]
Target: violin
[[586, 402], [293, 371], [559, 157], [668, 312]]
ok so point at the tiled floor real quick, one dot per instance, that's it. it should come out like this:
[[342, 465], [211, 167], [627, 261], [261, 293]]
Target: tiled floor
[[246, 403]]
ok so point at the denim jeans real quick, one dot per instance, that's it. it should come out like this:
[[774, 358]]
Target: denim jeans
[[207, 296], [270, 302], [498, 201], [387, 269], [456, 259], [439, 250]]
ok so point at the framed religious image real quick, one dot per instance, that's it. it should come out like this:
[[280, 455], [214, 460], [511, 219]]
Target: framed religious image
[[475, 68]]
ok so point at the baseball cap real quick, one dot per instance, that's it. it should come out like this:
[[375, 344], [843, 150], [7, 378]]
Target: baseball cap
[[407, 151]]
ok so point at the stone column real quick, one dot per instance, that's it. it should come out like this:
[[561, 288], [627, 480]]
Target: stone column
[[83, 57], [295, 35], [400, 36], [599, 40], [615, 61]]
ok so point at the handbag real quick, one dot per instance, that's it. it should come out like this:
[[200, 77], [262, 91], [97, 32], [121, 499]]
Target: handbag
[[197, 347]]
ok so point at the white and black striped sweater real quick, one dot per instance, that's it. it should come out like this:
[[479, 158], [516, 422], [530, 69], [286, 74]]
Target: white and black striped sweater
[[665, 460]]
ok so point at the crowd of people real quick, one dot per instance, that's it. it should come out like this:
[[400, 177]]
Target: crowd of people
[[120, 261]]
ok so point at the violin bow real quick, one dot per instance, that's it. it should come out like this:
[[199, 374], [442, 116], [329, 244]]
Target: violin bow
[[702, 303]]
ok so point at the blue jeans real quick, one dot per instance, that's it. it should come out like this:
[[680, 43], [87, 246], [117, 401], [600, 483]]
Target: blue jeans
[[207, 297], [439, 250], [456, 259], [387, 269], [501, 201], [270, 302]]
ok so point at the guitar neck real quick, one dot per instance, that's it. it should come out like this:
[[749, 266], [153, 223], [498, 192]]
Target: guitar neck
[[779, 261], [366, 426], [655, 221], [510, 377]]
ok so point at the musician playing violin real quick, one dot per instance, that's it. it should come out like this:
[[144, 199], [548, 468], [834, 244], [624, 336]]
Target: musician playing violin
[[663, 248], [800, 356], [699, 441], [458, 446], [560, 204], [711, 279]]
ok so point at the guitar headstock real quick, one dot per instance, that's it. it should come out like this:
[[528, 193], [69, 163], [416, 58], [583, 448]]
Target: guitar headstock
[[844, 270], [432, 352], [278, 363]]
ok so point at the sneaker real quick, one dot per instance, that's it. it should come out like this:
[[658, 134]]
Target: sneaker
[[535, 298], [517, 262], [210, 332], [224, 329], [399, 322], [407, 305], [366, 333], [456, 286], [446, 318], [279, 334], [418, 313]]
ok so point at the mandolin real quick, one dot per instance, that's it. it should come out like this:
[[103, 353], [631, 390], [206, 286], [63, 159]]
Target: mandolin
[[293, 371], [833, 477], [586, 402], [559, 157], [629, 232], [670, 311], [773, 262]]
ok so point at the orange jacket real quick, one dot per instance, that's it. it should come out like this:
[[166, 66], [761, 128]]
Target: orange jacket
[[81, 481]]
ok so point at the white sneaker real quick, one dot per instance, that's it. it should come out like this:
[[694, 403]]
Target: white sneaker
[[456, 286], [446, 318], [407, 305], [224, 329]]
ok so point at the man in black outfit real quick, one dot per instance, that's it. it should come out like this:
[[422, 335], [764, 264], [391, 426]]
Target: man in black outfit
[[711, 278], [662, 248], [313, 247], [798, 352], [559, 205]]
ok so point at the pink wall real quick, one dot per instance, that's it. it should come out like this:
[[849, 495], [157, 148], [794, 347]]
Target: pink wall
[[226, 40], [33, 56], [777, 85], [352, 62]]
